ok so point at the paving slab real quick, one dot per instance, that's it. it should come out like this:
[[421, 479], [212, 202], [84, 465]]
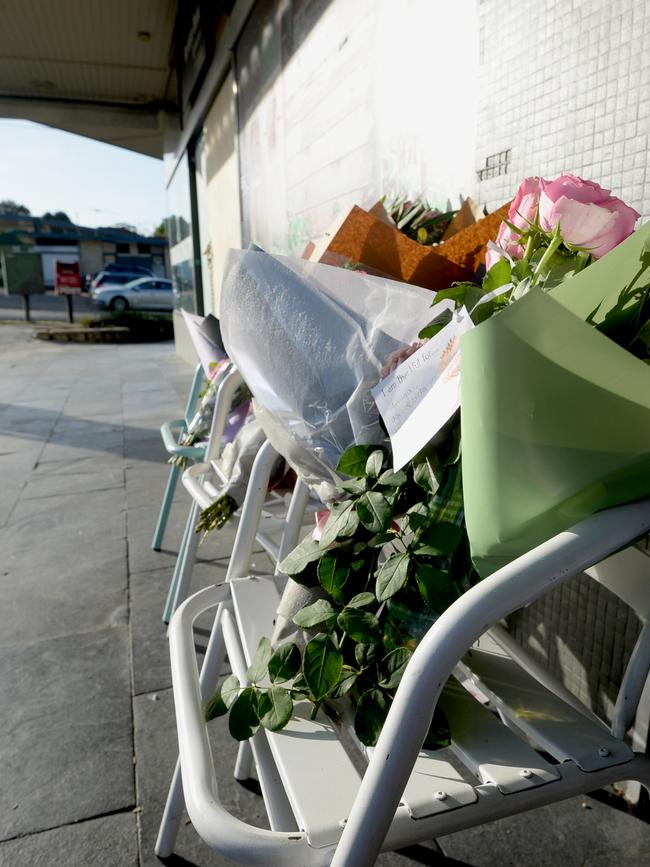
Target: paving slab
[[105, 842], [73, 516], [580, 832], [143, 520], [11, 443], [9, 495], [148, 592], [17, 467], [66, 748], [149, 449], [73, 481], [65, 451], [47, 592]]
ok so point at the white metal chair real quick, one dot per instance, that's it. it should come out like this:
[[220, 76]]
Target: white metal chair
[[205, 483], [249, 523], [209, 452], [533, 743]]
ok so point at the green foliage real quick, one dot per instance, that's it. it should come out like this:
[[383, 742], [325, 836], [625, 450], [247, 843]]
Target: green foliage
[[392, 556], [9, 206], [418, 220], [143, 327]]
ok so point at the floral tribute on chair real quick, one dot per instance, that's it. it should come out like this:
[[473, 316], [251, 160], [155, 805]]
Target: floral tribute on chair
[[554, 425]]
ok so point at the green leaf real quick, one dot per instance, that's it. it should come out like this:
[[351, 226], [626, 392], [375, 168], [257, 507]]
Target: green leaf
[[498, 275], [333, 572], [644, 334], [365, 654], [381, 539], [439, 734], [303, 554], [417, 517], [222, 699], [322, 665], [394, 480], [362, 626], [443, 537], [285, 662], [374, 464], [425, 474], [391, 576], [436, 587], [354, 486], [361, 600], [521, 270], [371, 714], [243, 720], [454, 448], [320, 611], [392, 667], [345, 684], [299, 688], [374, 511], [258, 669], [353, 460], [436, 325], [275, 708], [342, 523], [458, 292]]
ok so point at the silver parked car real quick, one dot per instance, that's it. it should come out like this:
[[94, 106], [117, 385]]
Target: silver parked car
[[145, 293]]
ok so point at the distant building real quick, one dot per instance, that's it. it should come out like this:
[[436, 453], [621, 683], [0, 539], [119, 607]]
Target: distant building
[[92, 248]]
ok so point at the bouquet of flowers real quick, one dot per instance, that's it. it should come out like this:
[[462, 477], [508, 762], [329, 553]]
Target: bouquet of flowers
[[555, 423]]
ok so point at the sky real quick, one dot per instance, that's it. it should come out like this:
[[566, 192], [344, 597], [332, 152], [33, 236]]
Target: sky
[[94, 183]]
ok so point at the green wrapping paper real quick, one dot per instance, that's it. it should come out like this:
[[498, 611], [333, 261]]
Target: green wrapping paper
[[556, 424], [608, 285]]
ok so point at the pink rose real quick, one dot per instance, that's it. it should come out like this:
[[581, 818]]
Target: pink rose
[[588, 215], [521, 214]]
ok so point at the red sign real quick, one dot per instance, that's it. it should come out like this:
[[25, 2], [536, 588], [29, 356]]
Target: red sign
[[67, 278]]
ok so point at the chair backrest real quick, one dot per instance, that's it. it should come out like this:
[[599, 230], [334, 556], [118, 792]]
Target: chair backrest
[[193, 395], [225, 392]]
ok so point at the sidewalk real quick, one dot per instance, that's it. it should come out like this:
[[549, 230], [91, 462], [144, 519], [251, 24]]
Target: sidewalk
[[87, 737]]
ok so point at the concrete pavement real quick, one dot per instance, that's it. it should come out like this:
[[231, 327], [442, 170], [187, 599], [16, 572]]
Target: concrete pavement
[[87, 738]]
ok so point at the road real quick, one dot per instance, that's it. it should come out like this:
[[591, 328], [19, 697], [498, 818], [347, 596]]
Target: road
[[48, 307]]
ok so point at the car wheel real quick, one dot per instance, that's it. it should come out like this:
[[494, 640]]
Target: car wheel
[[119, 304]]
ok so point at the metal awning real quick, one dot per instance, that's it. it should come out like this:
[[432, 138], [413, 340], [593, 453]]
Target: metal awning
[[96, 68]]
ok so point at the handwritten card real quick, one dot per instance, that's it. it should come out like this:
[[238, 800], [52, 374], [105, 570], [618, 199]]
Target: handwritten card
[[418, 398]]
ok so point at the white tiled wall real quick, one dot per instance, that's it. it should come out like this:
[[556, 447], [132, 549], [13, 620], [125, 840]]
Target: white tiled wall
[[565, 85]]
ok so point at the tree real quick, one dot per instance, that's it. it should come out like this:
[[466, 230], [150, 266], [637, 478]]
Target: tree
[[8, 206], [161, 230], [57, 215]]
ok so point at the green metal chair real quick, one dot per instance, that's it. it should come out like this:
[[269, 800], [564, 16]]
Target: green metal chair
[[172, 432]]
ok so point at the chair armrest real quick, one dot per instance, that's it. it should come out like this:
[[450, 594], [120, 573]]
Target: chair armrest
[[510, 588], [171, 432], [219, 828], [191, 479]]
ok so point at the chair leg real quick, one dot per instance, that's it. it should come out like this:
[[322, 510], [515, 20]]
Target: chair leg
[[244, 762], [172, 815], [187, 565], [165, 507], [189, 529]]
